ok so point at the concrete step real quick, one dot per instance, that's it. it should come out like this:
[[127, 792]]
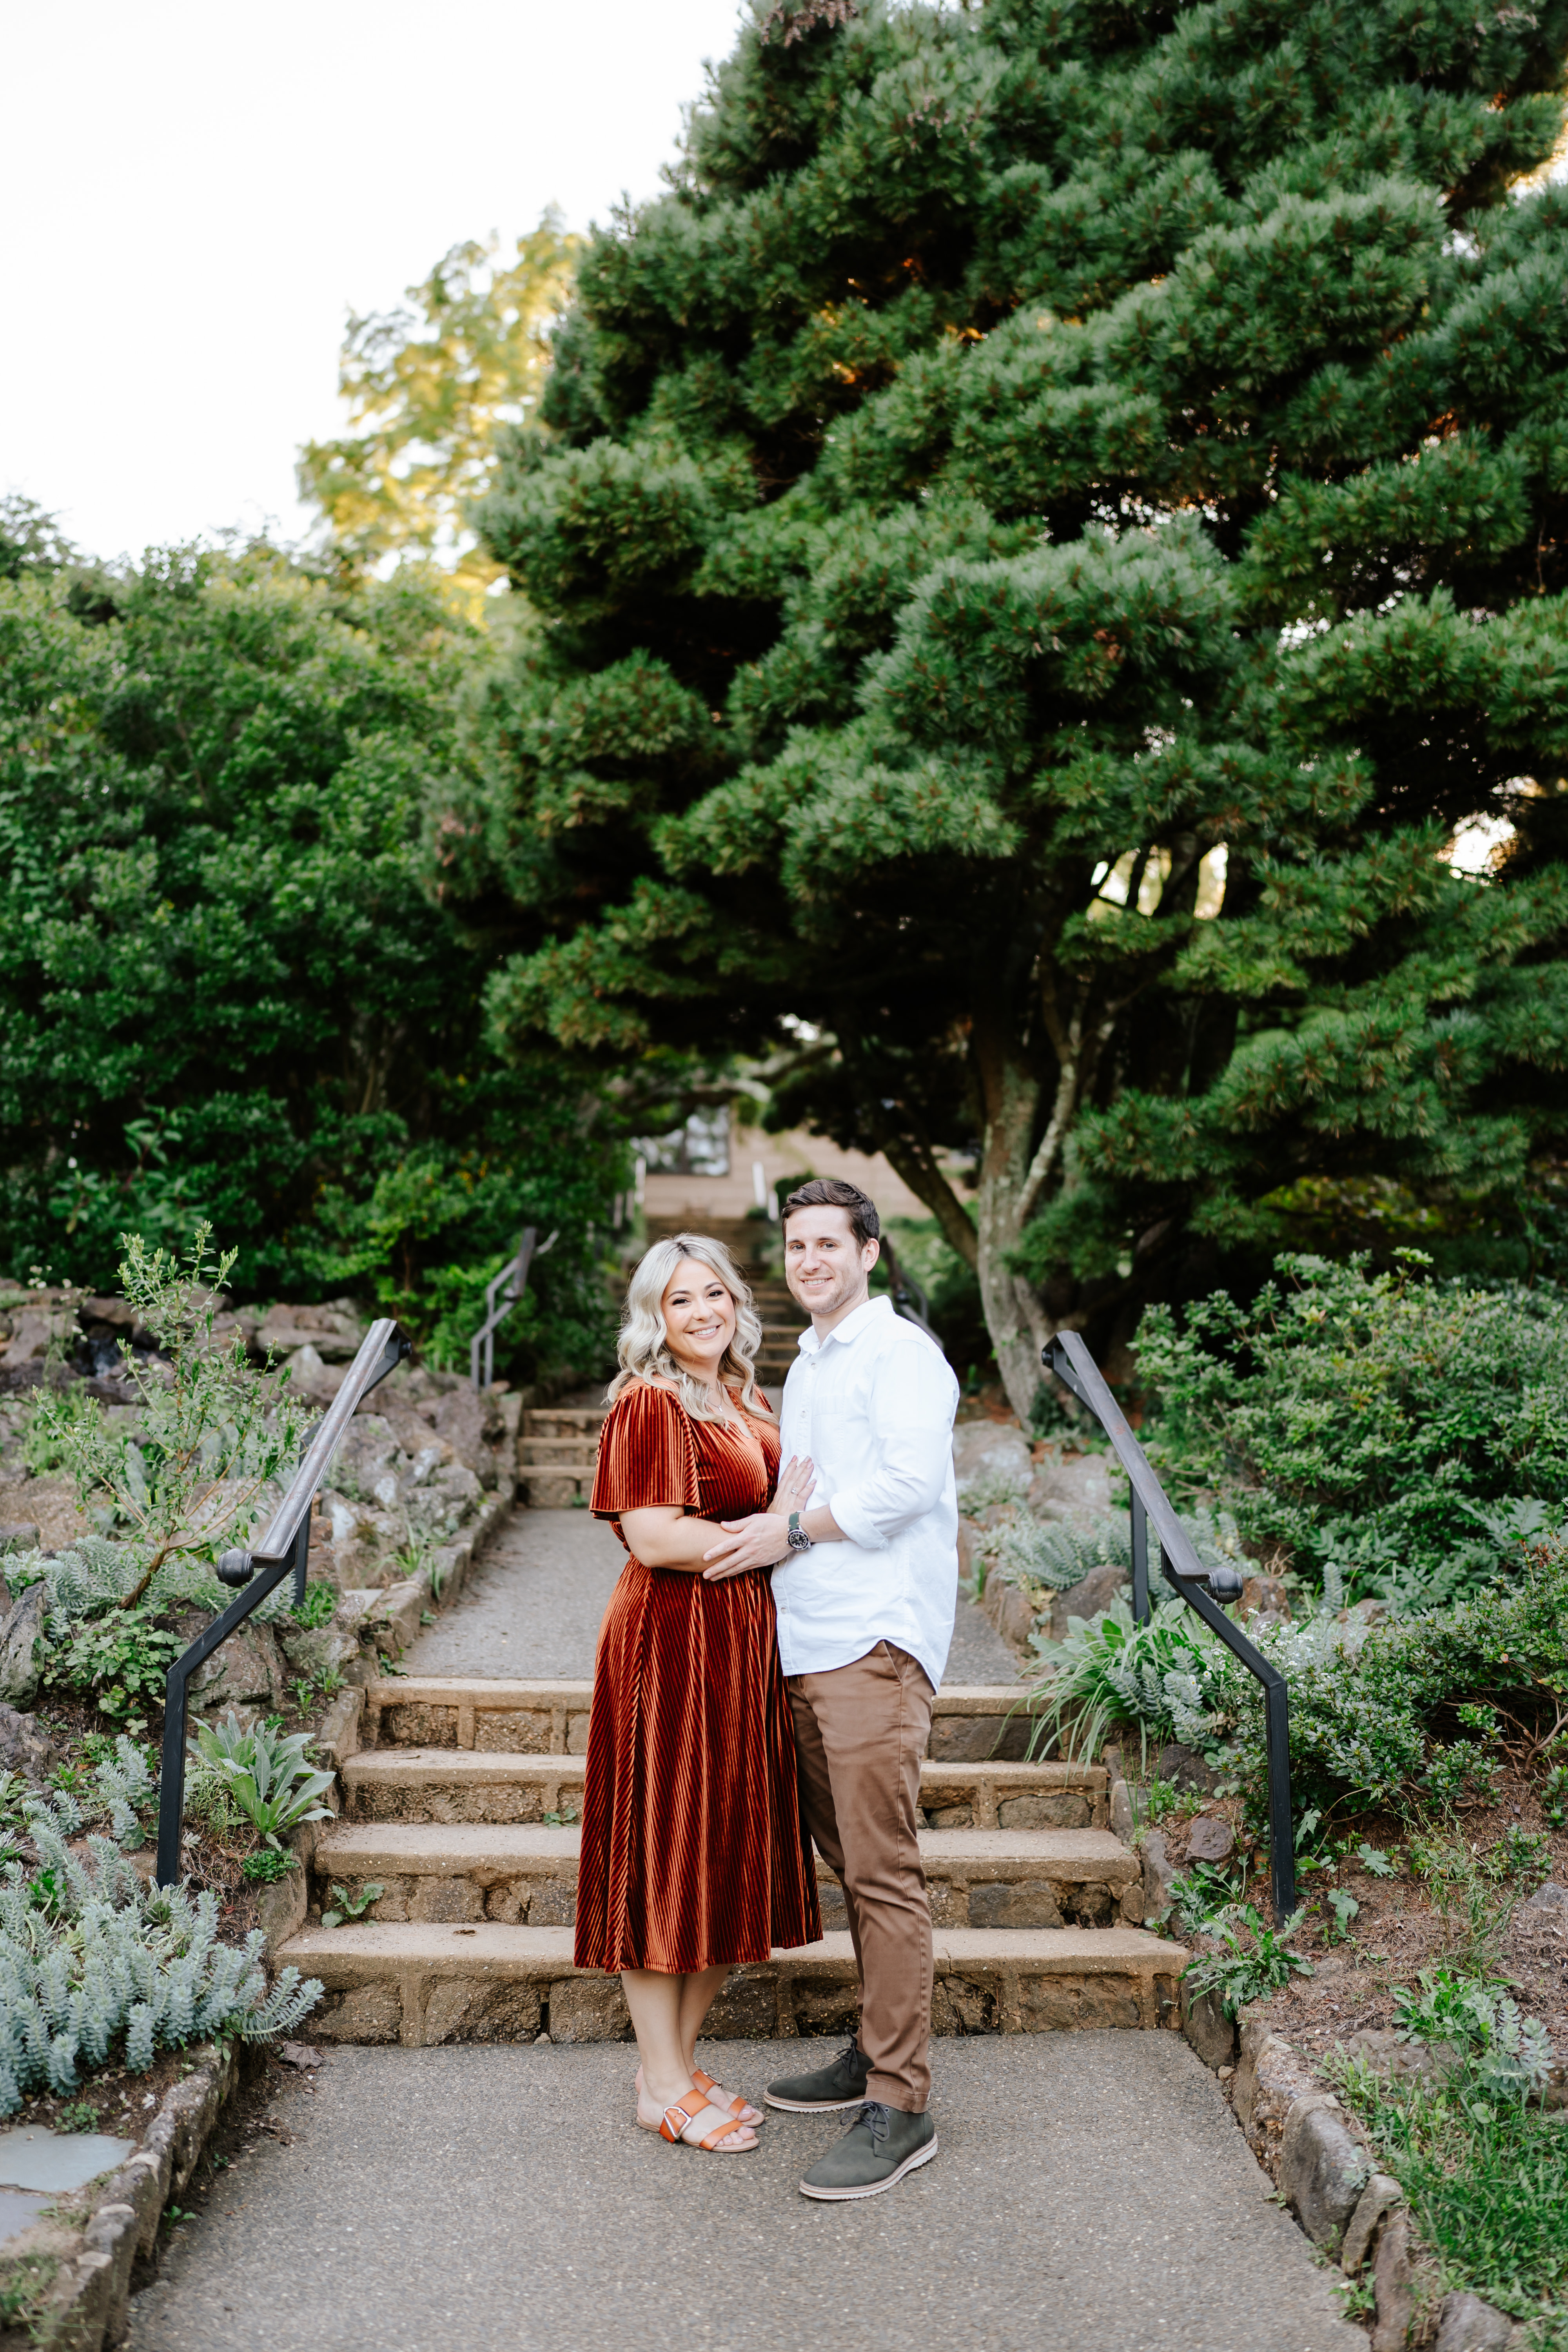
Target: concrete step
[[543, 1453], [425, 1982], [971, 1723], [1007, 1879], [452, 1784], [581, 1422]]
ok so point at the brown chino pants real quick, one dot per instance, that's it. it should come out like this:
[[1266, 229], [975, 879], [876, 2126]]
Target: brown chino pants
[[861, 1731]]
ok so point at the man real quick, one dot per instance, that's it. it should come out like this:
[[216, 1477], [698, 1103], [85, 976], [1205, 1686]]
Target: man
[[866, 1583]]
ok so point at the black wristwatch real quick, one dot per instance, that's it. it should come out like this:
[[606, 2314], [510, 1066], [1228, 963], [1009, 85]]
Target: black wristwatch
[[797, 1539]]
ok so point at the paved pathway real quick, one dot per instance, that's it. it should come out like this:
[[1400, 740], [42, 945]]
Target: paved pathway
[[534, 1607], [1092, 2194]]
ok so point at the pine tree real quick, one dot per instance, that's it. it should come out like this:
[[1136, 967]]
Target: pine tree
[[1040, 538]]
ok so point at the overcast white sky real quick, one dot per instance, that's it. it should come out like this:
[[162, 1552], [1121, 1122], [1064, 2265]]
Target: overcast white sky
[[191, 196]]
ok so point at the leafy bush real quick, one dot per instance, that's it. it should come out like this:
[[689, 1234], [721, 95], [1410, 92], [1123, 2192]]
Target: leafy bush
[[268, 1779], [210, 1431], [94, 1964], [1378, 1421]]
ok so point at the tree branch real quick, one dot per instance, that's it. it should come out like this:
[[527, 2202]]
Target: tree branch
[[915, 1163]]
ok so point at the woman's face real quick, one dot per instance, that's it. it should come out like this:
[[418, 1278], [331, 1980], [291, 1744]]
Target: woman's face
[[700, 1317]]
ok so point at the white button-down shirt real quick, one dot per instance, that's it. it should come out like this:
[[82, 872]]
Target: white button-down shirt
[[873, 1405]]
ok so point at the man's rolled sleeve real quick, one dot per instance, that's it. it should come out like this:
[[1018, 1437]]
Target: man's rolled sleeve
[[916, 1441]]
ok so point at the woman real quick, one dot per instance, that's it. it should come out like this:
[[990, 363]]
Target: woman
[[694, 1859]]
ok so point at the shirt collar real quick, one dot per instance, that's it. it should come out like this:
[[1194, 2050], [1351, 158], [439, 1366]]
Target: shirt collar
[[850, 1329]]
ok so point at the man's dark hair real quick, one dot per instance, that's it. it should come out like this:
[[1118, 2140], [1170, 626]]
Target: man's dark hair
[[832, 1192]]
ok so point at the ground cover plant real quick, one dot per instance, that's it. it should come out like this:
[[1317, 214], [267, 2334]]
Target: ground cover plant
[[1407, 1431]]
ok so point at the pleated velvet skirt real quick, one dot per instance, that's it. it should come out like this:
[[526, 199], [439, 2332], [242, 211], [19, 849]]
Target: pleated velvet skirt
[[694, 1852]]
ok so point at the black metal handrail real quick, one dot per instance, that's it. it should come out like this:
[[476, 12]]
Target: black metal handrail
[[286, 1545], [1069, 1358]]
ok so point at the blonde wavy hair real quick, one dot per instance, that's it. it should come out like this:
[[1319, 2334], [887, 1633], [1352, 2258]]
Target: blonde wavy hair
[[643, 1348]]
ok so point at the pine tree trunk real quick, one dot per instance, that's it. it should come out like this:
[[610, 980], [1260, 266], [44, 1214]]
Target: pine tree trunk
[[1014, 1315]]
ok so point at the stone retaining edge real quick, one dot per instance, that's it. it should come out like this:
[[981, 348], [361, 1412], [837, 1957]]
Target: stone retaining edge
[[88, 2308]]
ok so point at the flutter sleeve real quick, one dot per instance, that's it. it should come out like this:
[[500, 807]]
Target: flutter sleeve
[[646, 1455]]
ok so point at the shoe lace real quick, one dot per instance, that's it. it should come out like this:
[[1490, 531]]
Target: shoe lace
[[877, 2117], [849, 2061]]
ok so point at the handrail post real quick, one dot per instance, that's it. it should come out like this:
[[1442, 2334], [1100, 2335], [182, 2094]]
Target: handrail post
[[1069, 1356], [1140, 1562], [284, 1549]]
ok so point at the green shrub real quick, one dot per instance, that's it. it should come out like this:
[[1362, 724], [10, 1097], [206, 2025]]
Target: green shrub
[[1409, 1431]]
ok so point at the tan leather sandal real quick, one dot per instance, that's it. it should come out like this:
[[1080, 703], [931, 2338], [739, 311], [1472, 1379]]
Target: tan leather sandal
[[737, 2105], [687, 2115]]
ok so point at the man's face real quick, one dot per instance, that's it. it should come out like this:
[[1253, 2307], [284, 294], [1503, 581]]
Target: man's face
[[824, 1266]]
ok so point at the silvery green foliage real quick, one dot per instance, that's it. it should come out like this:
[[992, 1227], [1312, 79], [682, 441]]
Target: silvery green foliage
[[989, 1487], [93, 1572], [88, 1954], [1056, 1553], [121, 1782]]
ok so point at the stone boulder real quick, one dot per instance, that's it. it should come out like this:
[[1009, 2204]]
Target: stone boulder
[[1322, 2170], [990, 1452], [19, 1637], [1469, 2324], [1204, 2021], [25, 1748], [1548, 1905], [1210, 1838], [333, 1331], [1086, 1599]]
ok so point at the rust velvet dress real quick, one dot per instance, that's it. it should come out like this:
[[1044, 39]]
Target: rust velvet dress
[[693, 1849]]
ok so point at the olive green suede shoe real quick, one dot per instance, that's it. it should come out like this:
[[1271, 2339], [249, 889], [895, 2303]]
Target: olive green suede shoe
[[842, 2085], [881, 2146]]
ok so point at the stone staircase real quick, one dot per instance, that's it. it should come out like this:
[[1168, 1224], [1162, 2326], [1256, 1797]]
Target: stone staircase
[[462, 1808], [557, 1448]]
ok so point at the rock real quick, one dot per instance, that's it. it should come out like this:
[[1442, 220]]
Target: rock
[[310, 1376], [1549, 1902], [1265, 1594], [462, 1417], [991, 1451], [1014, 1903], [1158, 1872], [1063, 1810], [18, 1534], [246, 1669], [1094, 1593], [24, 1748], [1211, 2032], [315, 1650], [1210, 1838], [1380, 2196], [1393, 2276], [1322, 2170], [333, 1332], [300, 2054], [1015, 1615], [1465, 2324], [1121, 1811], [1185, 1768], [1269, 2079], [18, 1643]]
